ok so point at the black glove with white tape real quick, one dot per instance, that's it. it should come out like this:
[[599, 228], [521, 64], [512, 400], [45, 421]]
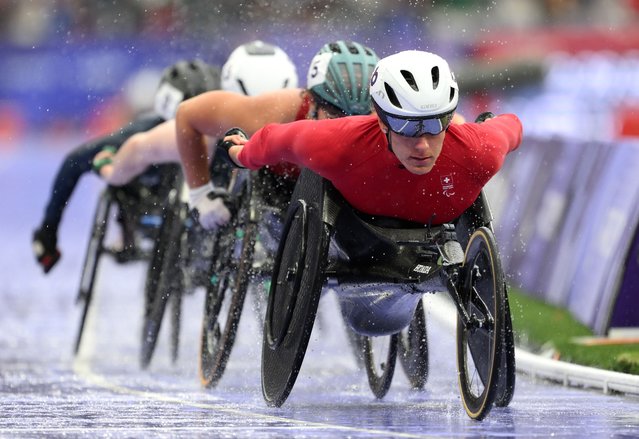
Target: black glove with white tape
[[223, 146]]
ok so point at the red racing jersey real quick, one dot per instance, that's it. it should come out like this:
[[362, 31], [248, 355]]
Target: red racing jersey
[[352, 153]]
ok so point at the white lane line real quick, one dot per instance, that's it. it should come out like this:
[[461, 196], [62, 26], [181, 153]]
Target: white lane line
[[83, 369]]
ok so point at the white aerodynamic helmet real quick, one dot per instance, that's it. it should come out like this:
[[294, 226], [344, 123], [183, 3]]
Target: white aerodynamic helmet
[[257, 67], [414, 93]]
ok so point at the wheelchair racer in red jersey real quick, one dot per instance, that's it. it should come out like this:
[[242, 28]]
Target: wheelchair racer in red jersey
[[405, 161]]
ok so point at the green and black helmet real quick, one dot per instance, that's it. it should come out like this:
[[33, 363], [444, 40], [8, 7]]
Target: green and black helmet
[[338, 77]]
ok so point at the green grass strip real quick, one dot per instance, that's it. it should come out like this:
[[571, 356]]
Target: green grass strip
[[539, 326]]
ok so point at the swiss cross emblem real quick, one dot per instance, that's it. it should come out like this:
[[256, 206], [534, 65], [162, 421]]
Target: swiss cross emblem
[[447, 181], [447, 185]]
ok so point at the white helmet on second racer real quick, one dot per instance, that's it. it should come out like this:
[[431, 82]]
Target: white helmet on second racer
[[257, 67], [414, 93]]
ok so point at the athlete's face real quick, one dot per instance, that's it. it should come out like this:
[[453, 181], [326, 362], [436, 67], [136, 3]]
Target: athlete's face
[[417, 154]]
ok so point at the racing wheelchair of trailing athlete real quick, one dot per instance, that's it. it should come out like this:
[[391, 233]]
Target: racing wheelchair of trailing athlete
[[242, 261], [227, 263], [388, 262], [181, 262], [139, 209]]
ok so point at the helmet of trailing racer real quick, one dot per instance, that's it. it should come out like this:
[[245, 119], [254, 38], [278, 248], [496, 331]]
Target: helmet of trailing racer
[[258, 67], [184, 80], [338, 77]]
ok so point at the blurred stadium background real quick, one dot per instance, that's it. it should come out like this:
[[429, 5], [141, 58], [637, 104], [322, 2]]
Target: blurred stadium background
[[73, 69]]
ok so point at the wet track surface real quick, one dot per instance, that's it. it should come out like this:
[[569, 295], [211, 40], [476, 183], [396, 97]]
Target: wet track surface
[[44, 390]]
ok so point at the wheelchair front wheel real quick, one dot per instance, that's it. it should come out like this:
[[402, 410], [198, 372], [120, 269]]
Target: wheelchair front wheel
[[380, 373], [413, 349], [480, 343]]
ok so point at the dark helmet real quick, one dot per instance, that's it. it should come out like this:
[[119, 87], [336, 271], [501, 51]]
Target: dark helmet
[[339, 74], [184, 80]]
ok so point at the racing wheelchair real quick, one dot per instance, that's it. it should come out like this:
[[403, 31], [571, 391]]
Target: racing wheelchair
[[139, 209], [242, 261], [327, 244], [181, 262], [227, 263]]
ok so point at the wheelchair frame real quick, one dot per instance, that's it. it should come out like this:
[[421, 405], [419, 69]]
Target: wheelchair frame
[[139, 205], [300, 275], [233, 268]]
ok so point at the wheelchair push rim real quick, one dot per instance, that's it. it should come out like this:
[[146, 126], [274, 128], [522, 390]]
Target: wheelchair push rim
[[480, 343], [225, 299], [228, 279], [160, 277]]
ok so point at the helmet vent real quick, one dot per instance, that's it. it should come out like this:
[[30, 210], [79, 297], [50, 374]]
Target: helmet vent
[[335, 48], [346, 79], [241, 84], [392, 96], [353, 49], [358, 70], [434, 72], [410, 79], [452, 94]]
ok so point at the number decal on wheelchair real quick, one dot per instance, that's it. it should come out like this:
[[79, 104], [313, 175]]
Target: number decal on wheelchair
[[419, 268]]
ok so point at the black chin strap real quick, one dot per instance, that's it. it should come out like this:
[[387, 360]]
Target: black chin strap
[[388, 139]]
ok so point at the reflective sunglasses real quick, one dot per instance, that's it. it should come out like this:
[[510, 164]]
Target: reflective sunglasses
[[417, 127]]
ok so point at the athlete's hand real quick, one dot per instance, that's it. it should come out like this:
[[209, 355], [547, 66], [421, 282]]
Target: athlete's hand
[[484, 116], [225, 147], [212, 212]]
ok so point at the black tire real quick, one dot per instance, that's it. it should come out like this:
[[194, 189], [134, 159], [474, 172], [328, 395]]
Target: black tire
[[506, 385], [413, 349], [176, 319], [225, 296], [94, 250], [480, 348], [380, 373], [159, 282], [296, 287]]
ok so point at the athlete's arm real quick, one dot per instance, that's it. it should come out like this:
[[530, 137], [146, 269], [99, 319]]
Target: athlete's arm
[[141, 150], [212, 113], [303, 143], [496, 137]]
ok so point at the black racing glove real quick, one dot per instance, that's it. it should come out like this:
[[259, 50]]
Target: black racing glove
[[45, 248], [484, 116], [224, 146]]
